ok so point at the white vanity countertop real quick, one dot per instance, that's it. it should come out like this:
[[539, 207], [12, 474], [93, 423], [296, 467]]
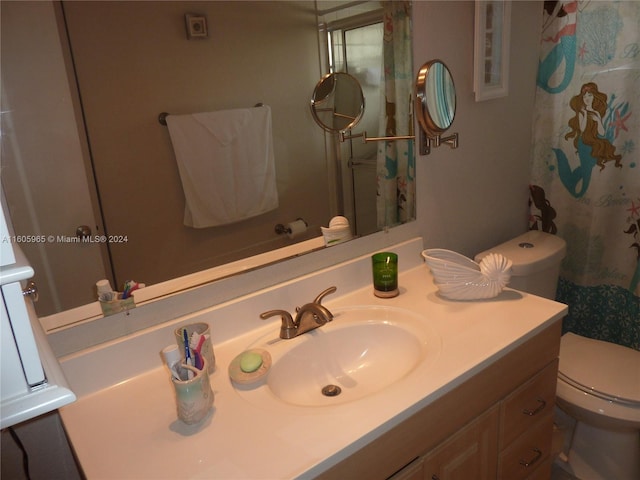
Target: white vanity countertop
[[125, 426]]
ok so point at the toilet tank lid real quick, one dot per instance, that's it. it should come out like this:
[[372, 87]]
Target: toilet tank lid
[[601, 367], [530, 252]]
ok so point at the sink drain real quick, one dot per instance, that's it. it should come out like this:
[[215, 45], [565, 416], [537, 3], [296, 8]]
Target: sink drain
[[331, 390]]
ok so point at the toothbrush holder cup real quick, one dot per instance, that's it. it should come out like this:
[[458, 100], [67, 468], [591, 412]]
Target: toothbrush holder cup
[[194, 397]]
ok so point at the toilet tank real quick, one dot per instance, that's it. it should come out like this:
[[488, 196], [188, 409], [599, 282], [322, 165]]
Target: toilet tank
[[536, 258]]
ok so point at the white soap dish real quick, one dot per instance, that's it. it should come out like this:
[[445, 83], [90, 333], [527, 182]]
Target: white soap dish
[[238, 375]]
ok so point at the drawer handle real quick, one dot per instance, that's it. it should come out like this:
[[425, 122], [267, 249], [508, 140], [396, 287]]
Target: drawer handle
[[531, 413], [536, 457]]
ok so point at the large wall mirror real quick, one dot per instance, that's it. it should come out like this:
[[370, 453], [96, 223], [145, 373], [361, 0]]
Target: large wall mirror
[[82, 88]]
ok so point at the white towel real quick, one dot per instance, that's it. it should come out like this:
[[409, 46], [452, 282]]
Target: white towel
[[226, 164]]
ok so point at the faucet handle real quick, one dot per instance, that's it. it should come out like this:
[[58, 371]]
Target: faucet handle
[[323, 294], [287, 319], [288, 327]]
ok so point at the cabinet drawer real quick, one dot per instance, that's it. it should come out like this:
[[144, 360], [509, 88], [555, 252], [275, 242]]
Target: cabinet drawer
[[520, 459], [523, 408]]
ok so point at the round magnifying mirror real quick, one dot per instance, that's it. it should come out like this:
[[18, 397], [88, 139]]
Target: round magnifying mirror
[[435, 97], [337, 103]]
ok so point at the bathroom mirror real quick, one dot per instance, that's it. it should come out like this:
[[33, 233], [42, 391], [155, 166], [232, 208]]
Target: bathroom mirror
[[435, 104], [133, 61], [337, 103]]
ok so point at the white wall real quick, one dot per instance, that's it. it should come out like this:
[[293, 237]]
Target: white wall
[[476, 196]]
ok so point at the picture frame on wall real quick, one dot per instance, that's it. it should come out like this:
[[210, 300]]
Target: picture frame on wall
[[491, 49], [196, 26]]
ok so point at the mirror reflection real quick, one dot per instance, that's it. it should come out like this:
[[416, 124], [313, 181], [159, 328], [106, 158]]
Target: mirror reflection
[[337, 103], [378, 177], [93, 154]]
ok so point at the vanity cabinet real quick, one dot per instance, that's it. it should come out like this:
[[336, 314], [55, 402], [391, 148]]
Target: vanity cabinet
[[470, 453], [496, 424]]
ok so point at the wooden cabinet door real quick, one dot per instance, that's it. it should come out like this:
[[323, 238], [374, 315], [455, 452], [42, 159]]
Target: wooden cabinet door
[[470, 453], [413, 471]]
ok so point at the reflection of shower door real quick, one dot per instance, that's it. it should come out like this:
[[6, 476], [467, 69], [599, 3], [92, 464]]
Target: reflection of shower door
[[43, 173], [357, 50]]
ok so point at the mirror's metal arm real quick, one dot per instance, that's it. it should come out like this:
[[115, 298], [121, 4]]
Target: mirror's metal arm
[[387, 139], [366, 139], [451, 140], [342, 115], [426, 142], [344, 136]]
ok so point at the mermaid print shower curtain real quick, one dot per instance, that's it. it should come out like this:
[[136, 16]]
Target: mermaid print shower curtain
[[585, 183]]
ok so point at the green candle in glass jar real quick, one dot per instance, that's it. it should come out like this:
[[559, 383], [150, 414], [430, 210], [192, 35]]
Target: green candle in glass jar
[[385, 274]]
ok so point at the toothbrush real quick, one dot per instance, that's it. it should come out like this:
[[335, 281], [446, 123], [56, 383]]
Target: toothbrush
[[129, 287], [187, 353], [126, 289], [195, 339], [198, 351], [197, 360], [201, 341]]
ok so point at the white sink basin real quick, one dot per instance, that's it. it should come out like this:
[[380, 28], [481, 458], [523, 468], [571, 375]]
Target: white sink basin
[[364, 350]]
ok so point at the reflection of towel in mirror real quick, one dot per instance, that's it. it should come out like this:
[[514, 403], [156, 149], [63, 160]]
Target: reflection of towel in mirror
[[226, 164]]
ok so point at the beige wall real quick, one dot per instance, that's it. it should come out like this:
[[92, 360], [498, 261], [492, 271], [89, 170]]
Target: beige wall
[[256, 52], [476, 196]]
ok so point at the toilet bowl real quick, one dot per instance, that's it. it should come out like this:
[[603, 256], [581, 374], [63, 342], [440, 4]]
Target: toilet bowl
[[598, 387]]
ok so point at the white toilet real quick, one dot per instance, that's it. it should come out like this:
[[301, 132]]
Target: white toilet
[[598, 388]]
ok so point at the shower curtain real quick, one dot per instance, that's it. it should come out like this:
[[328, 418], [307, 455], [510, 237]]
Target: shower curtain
[[395, 171], [586, 163]]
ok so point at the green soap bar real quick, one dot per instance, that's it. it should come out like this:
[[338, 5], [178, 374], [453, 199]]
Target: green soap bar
[[250, 362]]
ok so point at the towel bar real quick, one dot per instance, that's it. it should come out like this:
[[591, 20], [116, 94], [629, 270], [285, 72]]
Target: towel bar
[[162, 117]]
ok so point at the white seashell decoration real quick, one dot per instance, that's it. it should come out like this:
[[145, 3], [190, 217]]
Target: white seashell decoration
[[460, 278]]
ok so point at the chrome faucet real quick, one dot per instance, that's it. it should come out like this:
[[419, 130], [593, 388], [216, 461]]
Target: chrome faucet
[[308, 317]]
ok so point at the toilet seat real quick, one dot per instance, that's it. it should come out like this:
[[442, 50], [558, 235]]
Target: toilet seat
[[604, 369], [600, 377], [593, 391]]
